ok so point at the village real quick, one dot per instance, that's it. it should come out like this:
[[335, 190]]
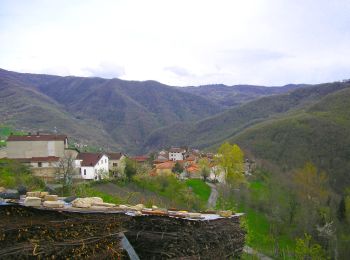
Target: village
[[50, 156], [140, 231]]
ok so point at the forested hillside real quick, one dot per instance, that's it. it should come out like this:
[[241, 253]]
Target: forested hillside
[[319, 134], [231, 96], [308, 124], [112, 113], [216, 129]]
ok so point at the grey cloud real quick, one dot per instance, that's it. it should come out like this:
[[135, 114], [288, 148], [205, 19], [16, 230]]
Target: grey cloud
[[252, 55], [106, 70], [179, 71]]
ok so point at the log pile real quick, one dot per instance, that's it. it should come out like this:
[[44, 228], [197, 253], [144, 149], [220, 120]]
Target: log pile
[[39, 232], [157, 237], [33, 233]]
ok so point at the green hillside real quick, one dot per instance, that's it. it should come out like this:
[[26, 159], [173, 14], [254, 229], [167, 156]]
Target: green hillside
[[215, 130], [28, 110], [320, 134], [114, 114]]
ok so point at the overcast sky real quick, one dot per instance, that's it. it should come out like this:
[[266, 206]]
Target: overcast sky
[[179, 42]]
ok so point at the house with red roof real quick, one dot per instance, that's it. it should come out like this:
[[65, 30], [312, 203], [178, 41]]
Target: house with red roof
[[93, 166], [140, 158], [165, 167]]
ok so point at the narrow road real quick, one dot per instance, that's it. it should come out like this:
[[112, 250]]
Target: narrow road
[[211, 205], [251, 251], [213, 196]]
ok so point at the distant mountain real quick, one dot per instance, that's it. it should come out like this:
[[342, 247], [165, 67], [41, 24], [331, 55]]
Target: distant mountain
[[231, 96], [114, 113], [215, 129], [30, 110]]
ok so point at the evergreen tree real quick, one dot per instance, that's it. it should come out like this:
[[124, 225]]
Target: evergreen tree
[[341, 213]]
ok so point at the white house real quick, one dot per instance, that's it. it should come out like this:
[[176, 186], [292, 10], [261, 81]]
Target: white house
[[176, 154], [217, 174], [93, 166]]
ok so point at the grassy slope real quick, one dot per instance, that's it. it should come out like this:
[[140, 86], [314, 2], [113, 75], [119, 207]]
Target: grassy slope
[[259, 225], [200, 188]]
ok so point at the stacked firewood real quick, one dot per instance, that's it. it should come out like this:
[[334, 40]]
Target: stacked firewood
[[157, 237], [42, 233], [32, 233]]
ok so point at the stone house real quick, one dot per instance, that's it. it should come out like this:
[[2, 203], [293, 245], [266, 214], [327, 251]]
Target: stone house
[[116, 163]]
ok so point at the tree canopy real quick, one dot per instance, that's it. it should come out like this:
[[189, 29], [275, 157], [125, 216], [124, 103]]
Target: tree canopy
[[231, 159]]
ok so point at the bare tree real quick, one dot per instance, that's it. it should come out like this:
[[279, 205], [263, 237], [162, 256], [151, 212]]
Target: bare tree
[[65, 170]]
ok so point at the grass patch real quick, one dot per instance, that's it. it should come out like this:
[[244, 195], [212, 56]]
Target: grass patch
[[260, 238], [170, 187], [87, 190], [14, 174], [200, 188]]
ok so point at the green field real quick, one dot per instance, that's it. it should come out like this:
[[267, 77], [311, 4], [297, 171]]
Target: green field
[[200, 188]]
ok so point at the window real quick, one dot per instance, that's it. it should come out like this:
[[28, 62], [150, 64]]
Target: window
[[115, 164], [84, 171], [40, 164], [105, 160]]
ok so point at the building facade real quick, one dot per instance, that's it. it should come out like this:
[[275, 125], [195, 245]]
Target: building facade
[[93, 166]]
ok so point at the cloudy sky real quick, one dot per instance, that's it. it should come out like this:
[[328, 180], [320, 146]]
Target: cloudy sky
[[179, 42]]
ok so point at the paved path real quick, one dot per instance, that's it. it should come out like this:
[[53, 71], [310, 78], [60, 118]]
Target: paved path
[[251, 251], [213, 196], [211, 205]]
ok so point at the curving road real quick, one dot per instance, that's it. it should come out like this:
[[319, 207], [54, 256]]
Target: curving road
[[213, 196]]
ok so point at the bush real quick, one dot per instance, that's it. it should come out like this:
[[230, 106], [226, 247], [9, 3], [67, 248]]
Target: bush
[[14, 174], [169, 186]]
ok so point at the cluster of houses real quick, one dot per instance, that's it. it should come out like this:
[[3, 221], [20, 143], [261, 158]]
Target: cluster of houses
[[188, 159], [47, 153]]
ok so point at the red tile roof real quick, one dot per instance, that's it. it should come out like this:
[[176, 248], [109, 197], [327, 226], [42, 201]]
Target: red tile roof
[[165, 165], [38, 159], [45, 159], [141, 158], [40, 137], [193, 168], [160, 161], [114, 156], [89, 159]]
